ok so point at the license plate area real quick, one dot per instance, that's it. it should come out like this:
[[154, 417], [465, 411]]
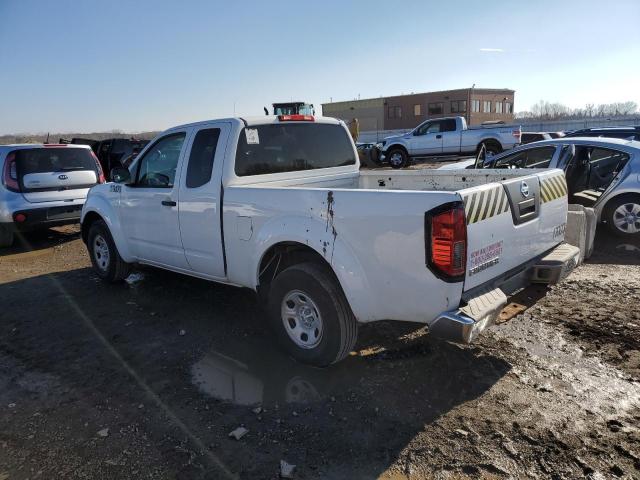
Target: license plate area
[[64, 213]]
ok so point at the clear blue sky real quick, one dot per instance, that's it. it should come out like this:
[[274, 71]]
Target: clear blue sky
[[89, 65]]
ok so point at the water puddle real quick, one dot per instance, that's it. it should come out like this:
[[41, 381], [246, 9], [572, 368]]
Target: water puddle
[[134, 278], [256, 372], [260, 379]]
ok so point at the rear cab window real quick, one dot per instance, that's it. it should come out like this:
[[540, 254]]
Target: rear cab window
[[35, 166], [292, 147]]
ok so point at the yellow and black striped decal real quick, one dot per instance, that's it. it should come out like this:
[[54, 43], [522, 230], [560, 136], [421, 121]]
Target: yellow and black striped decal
[[484, 204], [552, 187]]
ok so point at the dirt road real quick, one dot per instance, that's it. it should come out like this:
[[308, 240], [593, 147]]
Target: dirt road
[[148, 378]]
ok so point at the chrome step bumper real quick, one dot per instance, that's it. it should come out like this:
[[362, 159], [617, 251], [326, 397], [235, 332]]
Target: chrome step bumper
[[466, 323]]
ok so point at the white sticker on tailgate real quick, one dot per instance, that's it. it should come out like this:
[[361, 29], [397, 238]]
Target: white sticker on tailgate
[[485, 257]]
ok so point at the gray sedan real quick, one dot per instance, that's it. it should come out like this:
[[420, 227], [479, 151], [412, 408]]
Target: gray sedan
[[602, 173]]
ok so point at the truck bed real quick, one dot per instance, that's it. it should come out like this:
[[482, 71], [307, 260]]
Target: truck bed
[[347, 218]]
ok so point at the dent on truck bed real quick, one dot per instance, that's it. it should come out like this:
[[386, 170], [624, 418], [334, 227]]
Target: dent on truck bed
[[330, 224]]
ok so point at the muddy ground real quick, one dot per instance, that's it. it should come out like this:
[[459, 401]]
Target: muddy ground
[[146, 380]]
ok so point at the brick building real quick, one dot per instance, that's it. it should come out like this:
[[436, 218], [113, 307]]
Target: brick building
[[477, 105]]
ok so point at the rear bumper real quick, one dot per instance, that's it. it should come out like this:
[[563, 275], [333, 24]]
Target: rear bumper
[[483, 306], [35, 218]]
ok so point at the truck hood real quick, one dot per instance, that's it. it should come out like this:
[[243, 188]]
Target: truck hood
[[398, 137]]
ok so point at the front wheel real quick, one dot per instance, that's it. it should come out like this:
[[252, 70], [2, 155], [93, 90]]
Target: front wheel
[[104, 255], [397, 158], [622, 215], [311, 316]]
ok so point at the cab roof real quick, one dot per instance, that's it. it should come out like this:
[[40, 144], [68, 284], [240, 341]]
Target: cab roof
[[259, 120]]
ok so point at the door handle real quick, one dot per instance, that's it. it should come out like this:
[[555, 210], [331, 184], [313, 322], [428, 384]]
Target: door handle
[[438, 136], [169, 203]]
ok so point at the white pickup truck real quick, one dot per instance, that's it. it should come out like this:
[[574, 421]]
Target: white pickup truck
[[279, 205], [447, 136]]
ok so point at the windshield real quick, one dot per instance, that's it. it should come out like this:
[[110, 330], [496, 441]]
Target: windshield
[[289, 147]]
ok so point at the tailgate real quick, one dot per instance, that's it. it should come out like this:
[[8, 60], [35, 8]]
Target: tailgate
[[54, 186], [512, 222], [53, 173]]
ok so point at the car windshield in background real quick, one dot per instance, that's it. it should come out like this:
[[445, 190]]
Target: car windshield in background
[[54, 159], [290, 147]]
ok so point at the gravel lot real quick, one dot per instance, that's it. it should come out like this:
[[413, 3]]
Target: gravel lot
[[146, 380]]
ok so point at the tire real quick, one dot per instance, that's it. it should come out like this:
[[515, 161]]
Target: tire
[[619, 215], [397, 158], [308, 292], [104, 255], [491, 147], [6, 236]]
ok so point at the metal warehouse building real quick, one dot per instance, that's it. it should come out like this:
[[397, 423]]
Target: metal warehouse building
[[477, 105]]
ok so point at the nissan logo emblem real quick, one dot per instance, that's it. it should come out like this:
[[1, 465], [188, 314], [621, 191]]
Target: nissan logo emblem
[[524, 189], [63, 177]]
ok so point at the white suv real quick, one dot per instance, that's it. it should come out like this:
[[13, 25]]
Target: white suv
[[44, 186]]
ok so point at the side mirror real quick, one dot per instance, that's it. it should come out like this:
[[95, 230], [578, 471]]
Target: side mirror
[[120, 175]]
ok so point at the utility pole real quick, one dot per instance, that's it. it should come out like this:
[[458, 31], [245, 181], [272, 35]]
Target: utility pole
[[469, 105]]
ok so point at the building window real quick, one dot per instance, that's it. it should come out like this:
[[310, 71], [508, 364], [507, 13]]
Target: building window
[[498, 107], [475, 106], [436, 108], [395, 112], [508, 108], [486, 106], [417, 110], [459, 106]]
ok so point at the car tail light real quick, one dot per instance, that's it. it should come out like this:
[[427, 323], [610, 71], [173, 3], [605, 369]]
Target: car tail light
[[517, 133], [20, 217], [10, 173], [296, 118], [446, 238], [101, 178]]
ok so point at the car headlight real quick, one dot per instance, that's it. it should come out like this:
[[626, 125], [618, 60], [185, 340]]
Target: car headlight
[[380, 145]]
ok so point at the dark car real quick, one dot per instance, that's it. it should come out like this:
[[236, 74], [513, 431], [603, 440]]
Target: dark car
[[112, 152], [628, 133], [529, 137]]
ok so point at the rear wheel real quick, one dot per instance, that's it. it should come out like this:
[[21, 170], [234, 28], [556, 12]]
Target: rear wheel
[[622, 215], [6, 236], [491, 147], [397, 158], [311, 316], [104, 255]]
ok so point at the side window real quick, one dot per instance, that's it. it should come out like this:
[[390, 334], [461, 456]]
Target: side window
[[433, 127], [539, 157], [448, 125], [515, 160], [157, 168], [423, 128], [201, 158]]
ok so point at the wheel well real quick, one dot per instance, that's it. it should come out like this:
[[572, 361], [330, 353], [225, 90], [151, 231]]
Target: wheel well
[[609, 203], [399, 147], [488, 141], [89, 219], [283, 255]]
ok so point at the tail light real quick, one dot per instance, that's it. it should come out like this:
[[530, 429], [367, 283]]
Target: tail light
[[296, 118], [517, 133], [446, 239], [101, 178], [10, 173]]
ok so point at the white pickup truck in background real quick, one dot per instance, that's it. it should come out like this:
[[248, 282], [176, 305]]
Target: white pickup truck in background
[[447, 136], [279, 205]]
